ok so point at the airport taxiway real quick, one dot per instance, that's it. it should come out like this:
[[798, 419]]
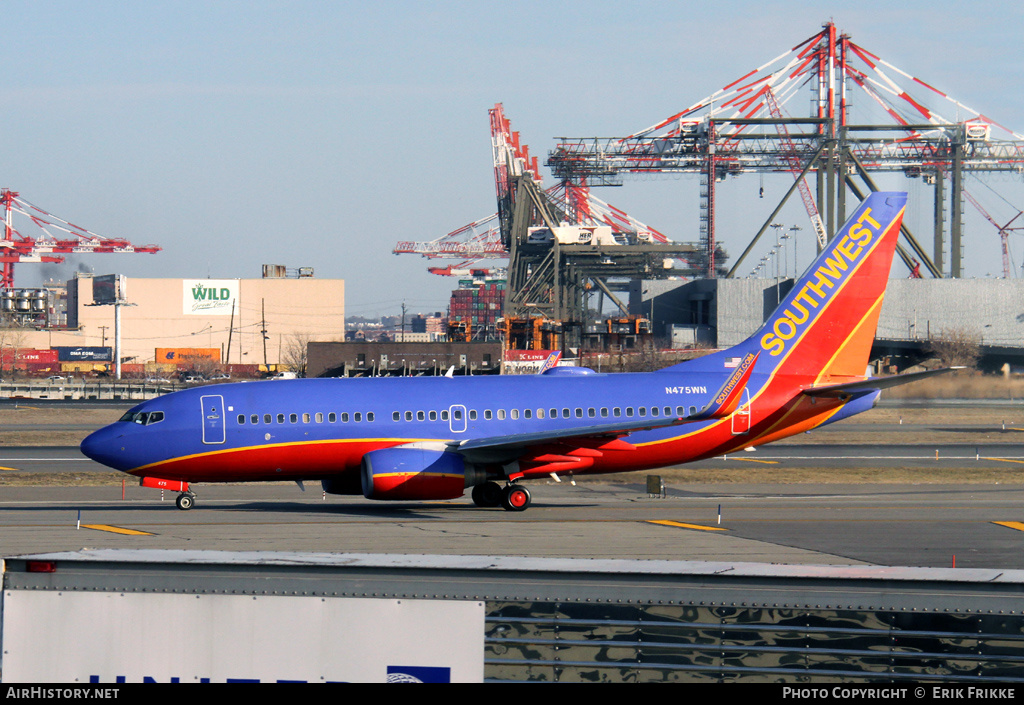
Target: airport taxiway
[[931, 525], [908, 525]]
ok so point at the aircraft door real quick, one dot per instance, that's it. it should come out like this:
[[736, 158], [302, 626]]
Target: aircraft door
[[741, 417], [213, 418], [457, 418]]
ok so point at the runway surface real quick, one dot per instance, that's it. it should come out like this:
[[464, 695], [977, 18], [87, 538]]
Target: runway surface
[[910, 525], [968, 525]]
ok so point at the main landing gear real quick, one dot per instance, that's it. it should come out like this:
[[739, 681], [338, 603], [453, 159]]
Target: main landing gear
[[514, 498], [185, 500]]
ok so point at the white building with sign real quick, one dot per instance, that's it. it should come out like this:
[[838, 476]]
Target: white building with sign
[[251, 321]]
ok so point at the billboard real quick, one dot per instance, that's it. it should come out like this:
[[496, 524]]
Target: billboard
[[108, 289], [209, 297]]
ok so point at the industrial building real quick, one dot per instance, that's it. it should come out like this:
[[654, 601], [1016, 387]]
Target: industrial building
[[253, 322], [719, 313], [402, 359], [159, 325]]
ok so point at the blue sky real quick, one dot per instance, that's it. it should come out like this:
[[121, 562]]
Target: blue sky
[[320, 133]]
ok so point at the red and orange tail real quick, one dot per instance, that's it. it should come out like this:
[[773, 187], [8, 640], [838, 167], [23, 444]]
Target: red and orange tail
[[825, 326]]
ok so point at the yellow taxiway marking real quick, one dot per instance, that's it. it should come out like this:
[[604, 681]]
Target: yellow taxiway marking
[[755, 460], [1019, 526], [681, 525], [116, 529], [11, 469], [1005, 460]]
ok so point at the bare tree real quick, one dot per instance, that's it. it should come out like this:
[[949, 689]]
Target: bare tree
[[12, 337], [295, 352], [956, 347]]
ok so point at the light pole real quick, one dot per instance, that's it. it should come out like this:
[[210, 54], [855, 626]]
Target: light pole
[[794, 230], [777, 227], [778, 244], [114, 293]]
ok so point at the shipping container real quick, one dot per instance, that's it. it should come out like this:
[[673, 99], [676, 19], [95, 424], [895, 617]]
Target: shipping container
[[160, 370], [186, 356], [83, 367], [33, 356], [39, 369], [84, 354], [527, 355], [27, 355]]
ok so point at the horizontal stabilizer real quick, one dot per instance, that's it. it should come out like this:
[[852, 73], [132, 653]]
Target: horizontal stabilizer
[[834, 390]]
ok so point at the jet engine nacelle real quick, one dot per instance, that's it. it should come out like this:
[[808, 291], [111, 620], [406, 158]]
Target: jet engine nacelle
[[414, 473]]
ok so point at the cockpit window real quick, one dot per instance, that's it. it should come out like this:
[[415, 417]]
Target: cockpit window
[[143, 418]]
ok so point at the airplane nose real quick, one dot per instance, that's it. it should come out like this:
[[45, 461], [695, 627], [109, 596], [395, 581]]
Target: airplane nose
[[105, 446]]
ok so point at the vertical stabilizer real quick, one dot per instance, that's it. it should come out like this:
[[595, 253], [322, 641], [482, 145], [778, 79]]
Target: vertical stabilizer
[[826, 324]]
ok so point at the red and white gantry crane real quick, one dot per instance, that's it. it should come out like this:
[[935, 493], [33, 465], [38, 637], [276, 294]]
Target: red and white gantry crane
[[16, 246]]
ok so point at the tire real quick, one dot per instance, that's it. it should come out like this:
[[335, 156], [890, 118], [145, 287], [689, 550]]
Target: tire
[[185, 501], [488, 494], [515, 498]]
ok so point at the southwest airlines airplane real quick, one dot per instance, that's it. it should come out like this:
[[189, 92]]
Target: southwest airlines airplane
[[429, 438]]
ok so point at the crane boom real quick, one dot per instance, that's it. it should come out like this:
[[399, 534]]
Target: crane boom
[[796, 168], [17, 247]]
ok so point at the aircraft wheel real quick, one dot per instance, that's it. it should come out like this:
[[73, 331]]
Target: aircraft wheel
[[516, 498], [185, 501], [488, 494]]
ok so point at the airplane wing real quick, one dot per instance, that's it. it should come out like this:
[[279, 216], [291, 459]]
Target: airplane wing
[[519, 441], [724, 403], [835, 390]]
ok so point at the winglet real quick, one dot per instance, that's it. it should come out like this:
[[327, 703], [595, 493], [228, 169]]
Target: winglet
[[551, 363], [728, 398]]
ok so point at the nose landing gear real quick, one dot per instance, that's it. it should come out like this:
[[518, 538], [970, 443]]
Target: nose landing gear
[[185, 500]]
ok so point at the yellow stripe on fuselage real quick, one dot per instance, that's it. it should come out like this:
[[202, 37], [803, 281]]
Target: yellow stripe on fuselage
[[413, 473], [323, 441]]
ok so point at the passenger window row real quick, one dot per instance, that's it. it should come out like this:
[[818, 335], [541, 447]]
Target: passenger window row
[[603, 412], [565, 413], [318, 417]]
